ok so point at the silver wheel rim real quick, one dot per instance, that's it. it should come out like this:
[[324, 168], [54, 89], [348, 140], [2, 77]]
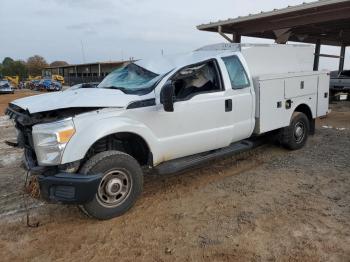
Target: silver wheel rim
[[114, 188], [299, 132]]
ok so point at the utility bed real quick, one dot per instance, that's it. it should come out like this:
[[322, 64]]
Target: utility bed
[[276, 94]]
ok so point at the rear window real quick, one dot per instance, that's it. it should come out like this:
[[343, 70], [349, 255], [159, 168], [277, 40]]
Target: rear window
[[238, 75]]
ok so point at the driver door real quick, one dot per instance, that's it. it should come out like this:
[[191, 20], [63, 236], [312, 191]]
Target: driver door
[[200, 121]]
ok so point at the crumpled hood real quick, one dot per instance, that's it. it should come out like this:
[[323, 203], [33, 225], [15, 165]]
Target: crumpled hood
[[87, 97]]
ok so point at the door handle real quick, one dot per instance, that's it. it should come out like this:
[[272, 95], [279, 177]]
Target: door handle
[[228, 105], [289, 104]]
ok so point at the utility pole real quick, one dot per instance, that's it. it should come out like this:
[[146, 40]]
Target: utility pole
[[82, 51]]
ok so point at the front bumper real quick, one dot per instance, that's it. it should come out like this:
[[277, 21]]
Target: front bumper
[[62, 187], [68, 188]]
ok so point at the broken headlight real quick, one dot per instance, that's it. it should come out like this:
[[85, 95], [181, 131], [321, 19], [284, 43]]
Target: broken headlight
[[51, 139]]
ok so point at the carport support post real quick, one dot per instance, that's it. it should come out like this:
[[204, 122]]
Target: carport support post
[[224, 35], [317, 54], [236, 38], [342, 57]]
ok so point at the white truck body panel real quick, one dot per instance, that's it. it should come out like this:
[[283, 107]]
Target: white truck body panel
[[273, 92], [265, 59], [278, 59], [323, 95]]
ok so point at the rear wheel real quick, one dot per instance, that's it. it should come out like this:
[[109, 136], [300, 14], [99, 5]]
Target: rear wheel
[[120, 186], [296, 134]]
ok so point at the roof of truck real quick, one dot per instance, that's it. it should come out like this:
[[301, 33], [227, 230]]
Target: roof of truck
[[164, 64]]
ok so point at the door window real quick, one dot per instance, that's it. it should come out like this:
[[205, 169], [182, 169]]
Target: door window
[[196, 79], [238, 76]]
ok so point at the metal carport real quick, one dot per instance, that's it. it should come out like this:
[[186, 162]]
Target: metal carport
[[322, 22]]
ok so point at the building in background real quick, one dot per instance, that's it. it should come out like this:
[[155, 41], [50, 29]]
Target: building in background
[[83, 73]]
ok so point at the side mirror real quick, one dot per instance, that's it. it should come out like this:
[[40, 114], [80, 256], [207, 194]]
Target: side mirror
[[167, 96]]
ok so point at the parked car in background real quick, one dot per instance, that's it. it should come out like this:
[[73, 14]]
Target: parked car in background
[[33, 84], [6, 87], [84, 85], [50, 85], [54, 86], [340, 82]]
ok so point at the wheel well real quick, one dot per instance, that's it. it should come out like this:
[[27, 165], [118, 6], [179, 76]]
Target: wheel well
[[307, 111], [126, 142], [304, 109]]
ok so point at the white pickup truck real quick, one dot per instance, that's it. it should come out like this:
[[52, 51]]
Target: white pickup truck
[[90, 146]]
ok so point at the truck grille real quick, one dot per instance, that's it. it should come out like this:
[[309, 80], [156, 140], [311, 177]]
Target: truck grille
[[23, 124]]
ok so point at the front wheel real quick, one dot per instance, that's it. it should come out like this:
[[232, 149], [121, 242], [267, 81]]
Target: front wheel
[[120, 186], [295, 135]]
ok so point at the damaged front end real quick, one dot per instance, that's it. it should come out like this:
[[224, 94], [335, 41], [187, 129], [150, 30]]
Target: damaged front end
[[43, 137], [23, 124], [28, 125]]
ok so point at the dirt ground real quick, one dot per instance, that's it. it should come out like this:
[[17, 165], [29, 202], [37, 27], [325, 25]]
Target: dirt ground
[[5, 99], [269, 204]]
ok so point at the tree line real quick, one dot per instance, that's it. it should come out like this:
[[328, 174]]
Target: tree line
[[33, 66]]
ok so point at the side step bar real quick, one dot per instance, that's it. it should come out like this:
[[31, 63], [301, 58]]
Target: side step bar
[[181, 164]]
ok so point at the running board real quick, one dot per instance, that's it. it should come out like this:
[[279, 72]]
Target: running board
[[181, 164]]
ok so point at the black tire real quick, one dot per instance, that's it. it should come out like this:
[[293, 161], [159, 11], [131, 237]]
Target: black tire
[[113, 164], [291, 137]]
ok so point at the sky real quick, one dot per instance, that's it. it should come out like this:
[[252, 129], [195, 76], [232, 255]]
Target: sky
[[80, 31]]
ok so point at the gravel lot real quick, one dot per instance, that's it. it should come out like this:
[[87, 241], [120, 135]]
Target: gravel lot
[[269, 204]]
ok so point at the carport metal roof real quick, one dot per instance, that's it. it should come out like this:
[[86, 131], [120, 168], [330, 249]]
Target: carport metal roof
[[325, 20], [322, 22]]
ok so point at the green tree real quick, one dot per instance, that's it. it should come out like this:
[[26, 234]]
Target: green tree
[[7, 61], [59, 63], [19, 68], [35, 64], [15, 68]]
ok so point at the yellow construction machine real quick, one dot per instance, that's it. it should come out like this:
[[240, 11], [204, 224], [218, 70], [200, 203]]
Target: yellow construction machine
[[14, 80], [30, 78], [58, 78]]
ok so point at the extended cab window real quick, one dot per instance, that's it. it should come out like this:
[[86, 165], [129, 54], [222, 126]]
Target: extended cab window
[[238, 76], [196, 79]]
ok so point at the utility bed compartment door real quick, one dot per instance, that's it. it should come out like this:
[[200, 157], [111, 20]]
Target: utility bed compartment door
[[323, 95], [271, 113], [300, 86]]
